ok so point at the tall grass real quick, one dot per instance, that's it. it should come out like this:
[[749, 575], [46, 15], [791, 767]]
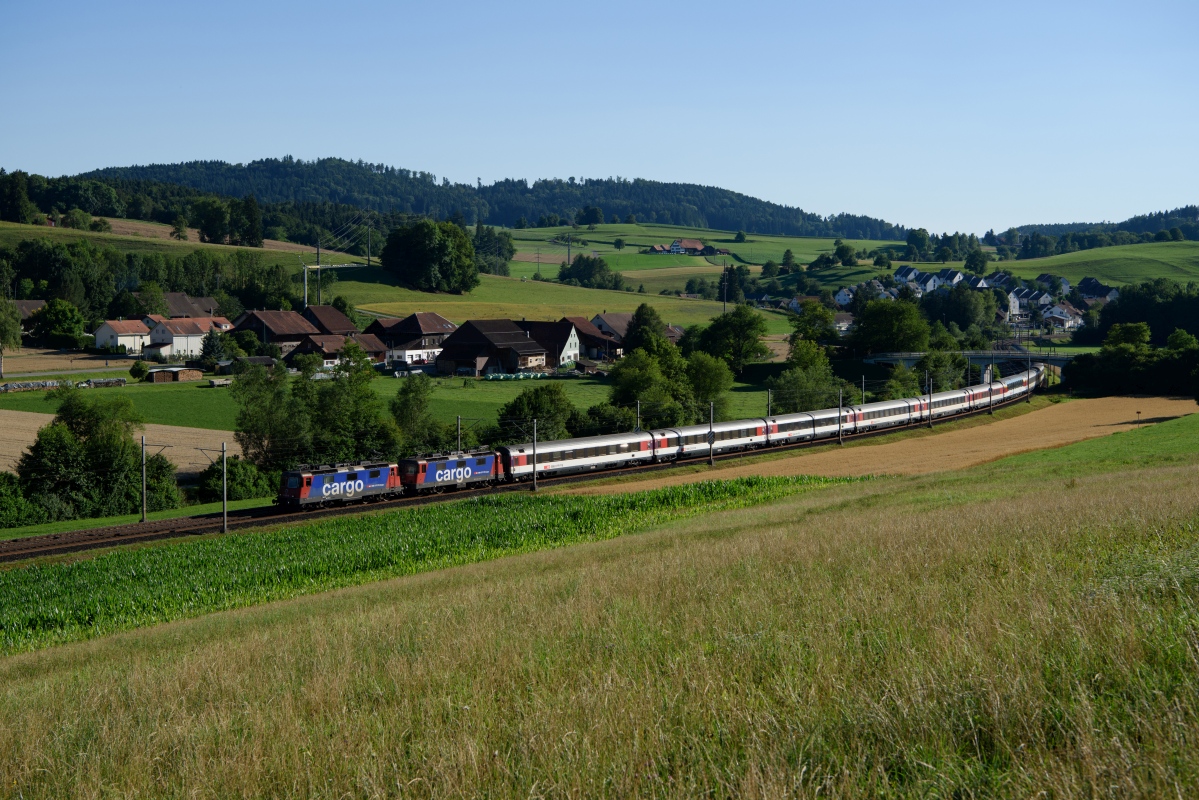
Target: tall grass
[[44, 604], [1027, 628]]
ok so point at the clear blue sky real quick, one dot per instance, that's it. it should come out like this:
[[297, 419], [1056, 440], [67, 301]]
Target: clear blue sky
[[947, 115]]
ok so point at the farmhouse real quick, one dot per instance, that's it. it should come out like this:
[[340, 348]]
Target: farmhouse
[[560, 340], [488, 346], [132, 334], [688, 247], [284, 328], [594, 343], [415, 339]]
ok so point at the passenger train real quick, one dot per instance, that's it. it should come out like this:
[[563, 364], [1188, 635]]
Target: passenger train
[[510, 463]]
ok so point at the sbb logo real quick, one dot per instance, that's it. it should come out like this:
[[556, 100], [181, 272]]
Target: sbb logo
[[459, 474], [348, 488]]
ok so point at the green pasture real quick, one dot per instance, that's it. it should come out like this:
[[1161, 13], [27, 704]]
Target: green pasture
[[372, 290], [1130, 263], [63, 526]]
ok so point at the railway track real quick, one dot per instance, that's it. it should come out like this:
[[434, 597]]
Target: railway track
[[135, 533]]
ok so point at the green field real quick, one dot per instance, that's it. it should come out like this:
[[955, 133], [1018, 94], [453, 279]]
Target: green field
[[196, 405], [1025, 627]]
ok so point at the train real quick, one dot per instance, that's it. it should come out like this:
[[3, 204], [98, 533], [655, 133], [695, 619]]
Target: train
[[360, 482]]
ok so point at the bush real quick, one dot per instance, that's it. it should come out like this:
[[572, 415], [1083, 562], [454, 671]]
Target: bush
[[139, 370], [245, 481]]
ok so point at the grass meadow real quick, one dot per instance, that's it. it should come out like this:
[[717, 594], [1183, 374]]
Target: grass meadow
[[1026, 627]]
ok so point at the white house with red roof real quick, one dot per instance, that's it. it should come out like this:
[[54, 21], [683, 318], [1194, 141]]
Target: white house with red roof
[[133, 334], [184, 336]]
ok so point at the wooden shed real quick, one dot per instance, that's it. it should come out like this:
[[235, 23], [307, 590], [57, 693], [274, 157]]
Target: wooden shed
[[175, 374]]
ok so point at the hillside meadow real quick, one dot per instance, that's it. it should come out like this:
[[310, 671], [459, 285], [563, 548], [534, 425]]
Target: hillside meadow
[[1026, 627]]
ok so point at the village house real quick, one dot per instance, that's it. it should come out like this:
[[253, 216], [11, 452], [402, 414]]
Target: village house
[[132, 334], [614, 325], [183, 337], [1055, 283], [689, 247], [415, 339], [1092, 288], [490, 346], [179, 304], [843, 322], [1064, 316], [330, 346], [26, 309]]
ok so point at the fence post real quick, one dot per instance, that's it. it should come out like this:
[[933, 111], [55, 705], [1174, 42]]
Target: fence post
[[143, 479]]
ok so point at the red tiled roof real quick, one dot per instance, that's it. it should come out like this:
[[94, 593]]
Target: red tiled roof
[[330, 320], [691, 244], [190, 326], [279, 323], [127, 327]]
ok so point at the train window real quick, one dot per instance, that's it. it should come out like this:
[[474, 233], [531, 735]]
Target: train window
[[408, 469], [293, 482], [374, 473], [423, 467], [351, 476], [480, 462], [624, 446], [308, 481]]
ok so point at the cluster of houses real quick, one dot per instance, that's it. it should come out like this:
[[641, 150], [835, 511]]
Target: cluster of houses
[[1022, 300], [422, 340]]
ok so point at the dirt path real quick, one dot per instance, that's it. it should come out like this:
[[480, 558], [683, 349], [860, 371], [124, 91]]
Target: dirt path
[[18, 429], [1052, 426]]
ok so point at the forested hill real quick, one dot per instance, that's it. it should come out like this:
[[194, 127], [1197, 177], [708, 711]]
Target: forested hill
[[1185, 219], [383, 188]]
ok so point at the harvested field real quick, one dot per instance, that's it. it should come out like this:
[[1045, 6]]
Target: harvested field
[[40, 359], [1053, 426], [155, 230], [18, 429]]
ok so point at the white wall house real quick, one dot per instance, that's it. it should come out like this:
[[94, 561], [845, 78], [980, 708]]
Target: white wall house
[[132, 333], [184, 337]]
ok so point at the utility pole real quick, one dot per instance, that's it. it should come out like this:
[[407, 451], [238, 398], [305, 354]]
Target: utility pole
[[638, 428], [991, 386], [567, 249], [724, 306], [368, 245], [711, 434], [224, 491], [840, 440], [863, 390], [459, 433], [305, 285], [769, 398], [318, 272], [1028, 394], [928, 384], [534, 455], [143, 479]]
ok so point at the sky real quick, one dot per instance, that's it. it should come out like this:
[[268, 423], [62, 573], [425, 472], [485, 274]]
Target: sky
[[950, 116]]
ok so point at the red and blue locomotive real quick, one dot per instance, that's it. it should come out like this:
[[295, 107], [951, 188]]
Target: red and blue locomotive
[[347, 483]]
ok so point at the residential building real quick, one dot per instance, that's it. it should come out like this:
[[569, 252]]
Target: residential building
[[845, 295], [1001, 280], [329, 321], [673, 333], [950, 277], [560, 339], [843, 322], [415, 339], [905, 274], [183, 337], [1092, 288], [487, 346], [330, 346], [594, 343], [284, 328], [1055, 283], [1064, 316], [132, 334], [26, 309], [614, 325], [977, 283]]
